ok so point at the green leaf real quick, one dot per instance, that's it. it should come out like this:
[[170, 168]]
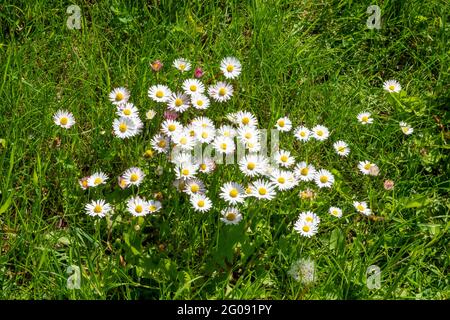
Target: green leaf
[[337, 240], [6, 205]]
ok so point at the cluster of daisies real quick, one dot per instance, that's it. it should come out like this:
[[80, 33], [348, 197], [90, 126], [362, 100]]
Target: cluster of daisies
[[186, 145]]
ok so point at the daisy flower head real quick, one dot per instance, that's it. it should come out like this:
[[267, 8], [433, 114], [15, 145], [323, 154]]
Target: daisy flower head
[[193, 86], [253, 145], [182, 64], [309, 217], [245, 118], [320, 133], [97, 208], [133, 176], [221, 91], [305, 171], [203, 122], [406, 128], [365, 166], [127, 110], [283, 124], [335, 211], [198, 73], [180, 157], [207, 165], [156, 65], [284, 158], [184, 140], [263, 189], [159, 93], [122, 183], [224, 145], [232, 193], [178, 102], [302, 134], [64, 119], [186, 170], [205, 135], [160, 143], [119, 95], [200, 202], [231, 67], [341, 148], [364, 118], [200, 101], [227, 131], [125, 127], [154, 206], [323, 178], [248, 134], [97, 179], [252, 165], [392, 86], [84, 183], [150, 114], [171, 127], [194, 186], [231, 215], [283, 180], [305, 229], [137, 206], [361, 207]]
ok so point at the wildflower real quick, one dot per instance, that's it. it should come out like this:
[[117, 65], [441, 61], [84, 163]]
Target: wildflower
[[323, 178], [284, 124], [119, 96], [125, 128], [159, 93], [200, 101], [97, 179], [133, 176], [64, 119], [156, 65], [335, 211], [341, 148], [303, 271], [224, 145], [84, 183], [305, 171], [194, 186], [302, 133], [160, 143], [365, 118], [127, 110], [244, 118], [178, 102], [263, 189], [361, 207], [232, 193], [231, 215], [138, 207], [201, 203], [154, 206], [198, 73], [98, 208], [305, 228], [284, 158], [150, 114], [253, 165], [171, 127], [309, 217], [221, 91], [406, 128], [231, 67], [388, 184], [182, 64], [364, 166], [320, 133], [193, 86], [392, 86]]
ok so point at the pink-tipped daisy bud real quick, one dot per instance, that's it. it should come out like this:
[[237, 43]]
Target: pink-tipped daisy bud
[[156, 65], [198, 73]]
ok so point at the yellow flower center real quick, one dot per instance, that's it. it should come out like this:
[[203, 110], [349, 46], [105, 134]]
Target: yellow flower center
[[302, 134], [201, 203], [341, 149], [281, 123], [391, 87], [64, 121], [98, 181], [119, 96], [367, 166], [320, 133], [281, 180], [193, 87], [134, 177], [309, 219], [360, 207], [335, 212], [185, 172], [248, 135], [248, 190], [223, 146], [251, 165], [172, 127], [284, 158], [123, 127], [195, 188], [122, 183], [304, 171], [183, 140], [204, 134], [199, 103], [182, 66], [178, 102], [84, 183], [98, 208], [323, 179], [159, 94], [305, 228], [138, 208], [162, 143], [230, 68], [262, 191], [245, 120], [405, 129], [222, 91], [152, 208], [365, 119], [234, 193], [231, 216], [203, 166], [127, 112]]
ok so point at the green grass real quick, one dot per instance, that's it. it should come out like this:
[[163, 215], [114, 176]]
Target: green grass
[[315, 61]]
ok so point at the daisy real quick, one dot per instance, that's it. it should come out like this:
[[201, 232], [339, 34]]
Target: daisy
[[253, 165], [154, 206], [119, 95], [253, 145], [201, 203], [207, 165], [97, 208], [302, 134], [64, 119], [364, 166], [406, 128], [193, 86], [160, 143], [97, 179], [205, 135], [232, 117], [335, 211], [361, 207], [304, 171], [184, 140], [182, 64], [341, 148], [364, 118], [127, 110], [159, 93], [84, 183], [200, 101], [125, 128], [224, 145], [227, 131], [263, 189], [309, 217], [231, 215], [305, 229], [320, 133], [392, 86], [171, 127], [137, 206], [122, 183], [244, 118], [150, 114], [232, 193], [248, 134], [221, 91], [284, 124], [323, 178], [283, 180], [178, 158], [284, 158], [194, 186], [186, 170], [133, 176], [203, 122], [231, 67], [178, 102]]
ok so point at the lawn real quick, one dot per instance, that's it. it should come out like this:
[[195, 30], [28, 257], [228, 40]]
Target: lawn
[[315, 62]]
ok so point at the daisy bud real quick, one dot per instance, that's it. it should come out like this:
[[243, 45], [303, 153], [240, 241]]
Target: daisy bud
[[374, 170], [170, 115], [83, 183], [198, 73], [388, 184], [156, 66], [122, 183]]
